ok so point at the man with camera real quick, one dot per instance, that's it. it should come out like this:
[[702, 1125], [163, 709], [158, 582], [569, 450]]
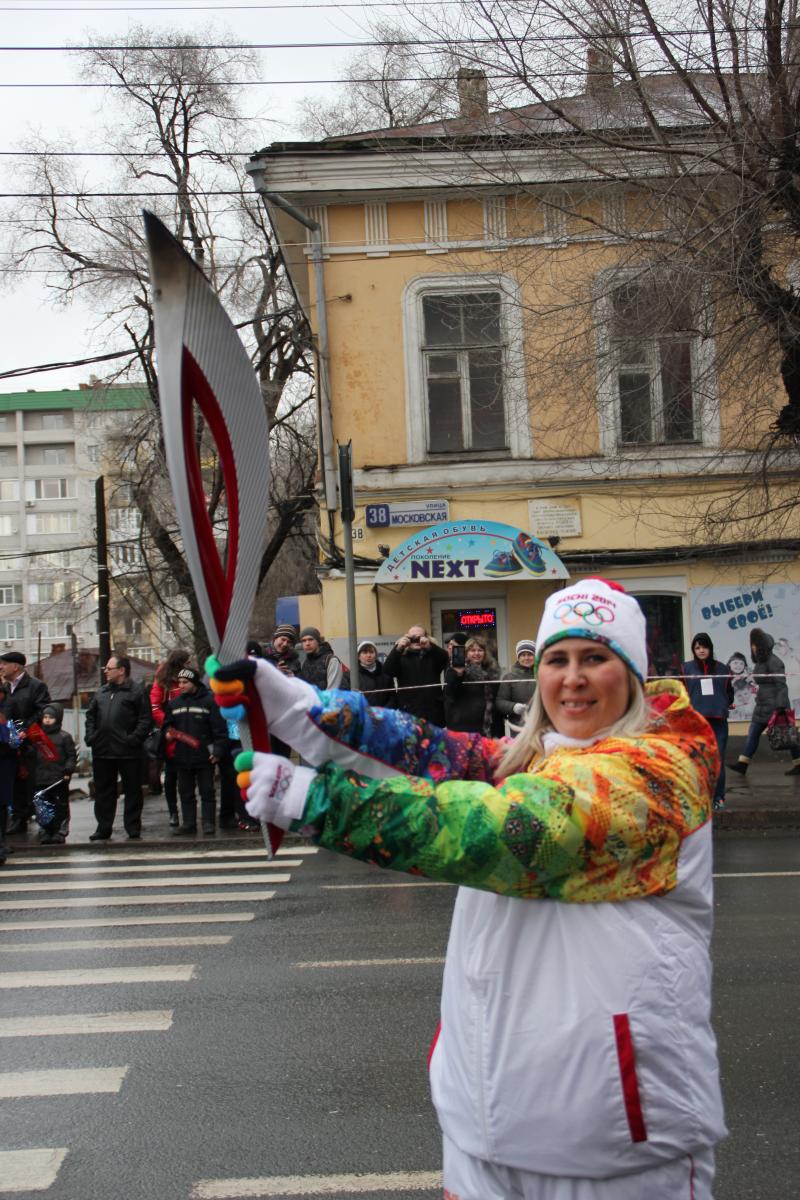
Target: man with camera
[[417, 663]]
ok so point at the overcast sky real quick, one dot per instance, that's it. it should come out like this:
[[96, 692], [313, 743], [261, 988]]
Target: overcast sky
[[34, 329]]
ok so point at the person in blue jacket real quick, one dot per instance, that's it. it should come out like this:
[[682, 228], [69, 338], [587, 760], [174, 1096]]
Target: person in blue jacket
[[710, 689]]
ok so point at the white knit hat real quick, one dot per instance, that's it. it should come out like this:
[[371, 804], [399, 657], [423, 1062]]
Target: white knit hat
[[526, 644], [602, 612]]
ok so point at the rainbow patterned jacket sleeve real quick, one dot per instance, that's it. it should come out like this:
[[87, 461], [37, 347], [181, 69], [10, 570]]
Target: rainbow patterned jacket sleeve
[[584, 825]]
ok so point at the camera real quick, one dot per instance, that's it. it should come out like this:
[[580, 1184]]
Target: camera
[[414, 641], [458, 657]]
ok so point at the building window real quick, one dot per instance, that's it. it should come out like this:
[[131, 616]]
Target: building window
[[93, 453], [653, 352], [125, 520], [54, 591], [8, 456], [12, 631], [8, 422], [52, 522], [657, 384], [9, 489], [50, 489], [49, 456], [127, 554], [7, 526], [48, 420], [59, 558], [52, 628], [11, 593], [466, 390]]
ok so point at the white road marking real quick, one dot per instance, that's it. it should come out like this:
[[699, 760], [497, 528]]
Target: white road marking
[[30, 1170], [372, 962], [757, 875], [81, 1082], [135, 901], [146, 1021], [169, 973], [113, 922], [82, 885], [199, 855], [136, 943], [317, 1185], [360, 887], [69, 871]]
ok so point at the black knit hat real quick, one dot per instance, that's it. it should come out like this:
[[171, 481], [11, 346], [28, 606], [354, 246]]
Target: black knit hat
[[190, 674]]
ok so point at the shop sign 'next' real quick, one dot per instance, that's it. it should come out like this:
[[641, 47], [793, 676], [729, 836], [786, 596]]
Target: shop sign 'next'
[[455, 551]]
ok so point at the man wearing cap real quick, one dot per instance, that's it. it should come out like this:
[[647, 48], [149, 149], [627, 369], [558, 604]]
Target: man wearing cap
[[118, 720], [320, 667], [517, 687], [22, 701], [193, 723]]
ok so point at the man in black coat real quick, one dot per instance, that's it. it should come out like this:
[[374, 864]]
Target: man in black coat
[[22, 701], [417, 664], [118, 720]]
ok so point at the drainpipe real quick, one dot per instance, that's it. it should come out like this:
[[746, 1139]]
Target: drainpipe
[[324, 400]]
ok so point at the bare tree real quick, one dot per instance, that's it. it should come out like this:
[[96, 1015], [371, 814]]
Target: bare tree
[[670, 137], [394, 83], [173, 119]]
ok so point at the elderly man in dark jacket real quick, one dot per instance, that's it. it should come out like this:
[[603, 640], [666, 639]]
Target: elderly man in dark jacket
[[22, 701], [118, 720]]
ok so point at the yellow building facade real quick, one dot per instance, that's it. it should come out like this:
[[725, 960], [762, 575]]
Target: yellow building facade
[[496, 353]]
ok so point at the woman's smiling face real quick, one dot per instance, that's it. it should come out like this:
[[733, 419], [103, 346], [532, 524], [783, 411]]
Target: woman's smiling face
[[583, 686]]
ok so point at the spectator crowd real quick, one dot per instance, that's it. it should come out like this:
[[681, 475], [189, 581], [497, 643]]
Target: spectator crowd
[[172, 735]]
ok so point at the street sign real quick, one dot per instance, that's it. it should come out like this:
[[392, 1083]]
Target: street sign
[[412, 512]]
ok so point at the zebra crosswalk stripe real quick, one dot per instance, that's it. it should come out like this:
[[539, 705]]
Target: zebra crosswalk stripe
[[70, 872], [135, 943], [166, 973], [80, 885], [318, 1185], [72, 1024], [114, 922], [165, 856], [30, 1170], [132, 901], [80, 1082]]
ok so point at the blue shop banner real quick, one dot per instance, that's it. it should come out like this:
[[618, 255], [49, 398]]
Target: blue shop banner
[[458, 551]]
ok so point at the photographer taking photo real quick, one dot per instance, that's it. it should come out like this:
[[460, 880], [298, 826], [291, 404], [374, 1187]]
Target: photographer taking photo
[[416, 663]]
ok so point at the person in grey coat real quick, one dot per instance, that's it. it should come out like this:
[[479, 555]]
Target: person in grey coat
[[517, 687], [770, 675]]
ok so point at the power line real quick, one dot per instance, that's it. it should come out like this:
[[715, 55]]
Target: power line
[[546, 38], [58, 366], [219, 7]]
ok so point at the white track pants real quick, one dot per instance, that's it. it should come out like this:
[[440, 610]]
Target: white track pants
[[467, 1178]]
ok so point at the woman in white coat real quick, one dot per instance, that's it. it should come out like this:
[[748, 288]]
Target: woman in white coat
[[575, 1059]]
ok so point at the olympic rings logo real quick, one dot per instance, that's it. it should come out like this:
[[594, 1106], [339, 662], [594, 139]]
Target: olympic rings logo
[[583, 612]]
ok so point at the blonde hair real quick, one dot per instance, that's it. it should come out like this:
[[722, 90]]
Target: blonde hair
[[529, 741]]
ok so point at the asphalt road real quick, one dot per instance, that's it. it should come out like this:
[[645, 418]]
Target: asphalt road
[[286, 1057]]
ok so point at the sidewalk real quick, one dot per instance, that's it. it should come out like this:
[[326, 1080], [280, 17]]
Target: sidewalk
[[765, 798]]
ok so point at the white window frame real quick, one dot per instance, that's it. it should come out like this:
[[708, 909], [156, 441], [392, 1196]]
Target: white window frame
[[515, 396], [15, 591], [36, 489], [5, 630], [7, 526], [62, 522], [49, 420], [9, 489], [705, 391], [64, 454]]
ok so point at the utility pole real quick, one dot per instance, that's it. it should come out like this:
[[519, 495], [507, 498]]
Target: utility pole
[[348, 512], [103, 601], [76, 698]]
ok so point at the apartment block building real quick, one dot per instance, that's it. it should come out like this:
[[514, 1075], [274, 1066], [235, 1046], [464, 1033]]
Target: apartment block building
[[53, 447]]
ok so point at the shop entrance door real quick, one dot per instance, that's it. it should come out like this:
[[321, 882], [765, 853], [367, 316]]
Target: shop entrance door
[[482, 615]]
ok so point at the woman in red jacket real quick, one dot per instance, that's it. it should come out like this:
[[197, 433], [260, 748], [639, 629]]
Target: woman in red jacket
[[165, 688]]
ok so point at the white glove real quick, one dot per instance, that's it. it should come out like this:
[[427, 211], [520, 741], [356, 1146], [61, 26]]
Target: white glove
[[276, 788], [519, 709]]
